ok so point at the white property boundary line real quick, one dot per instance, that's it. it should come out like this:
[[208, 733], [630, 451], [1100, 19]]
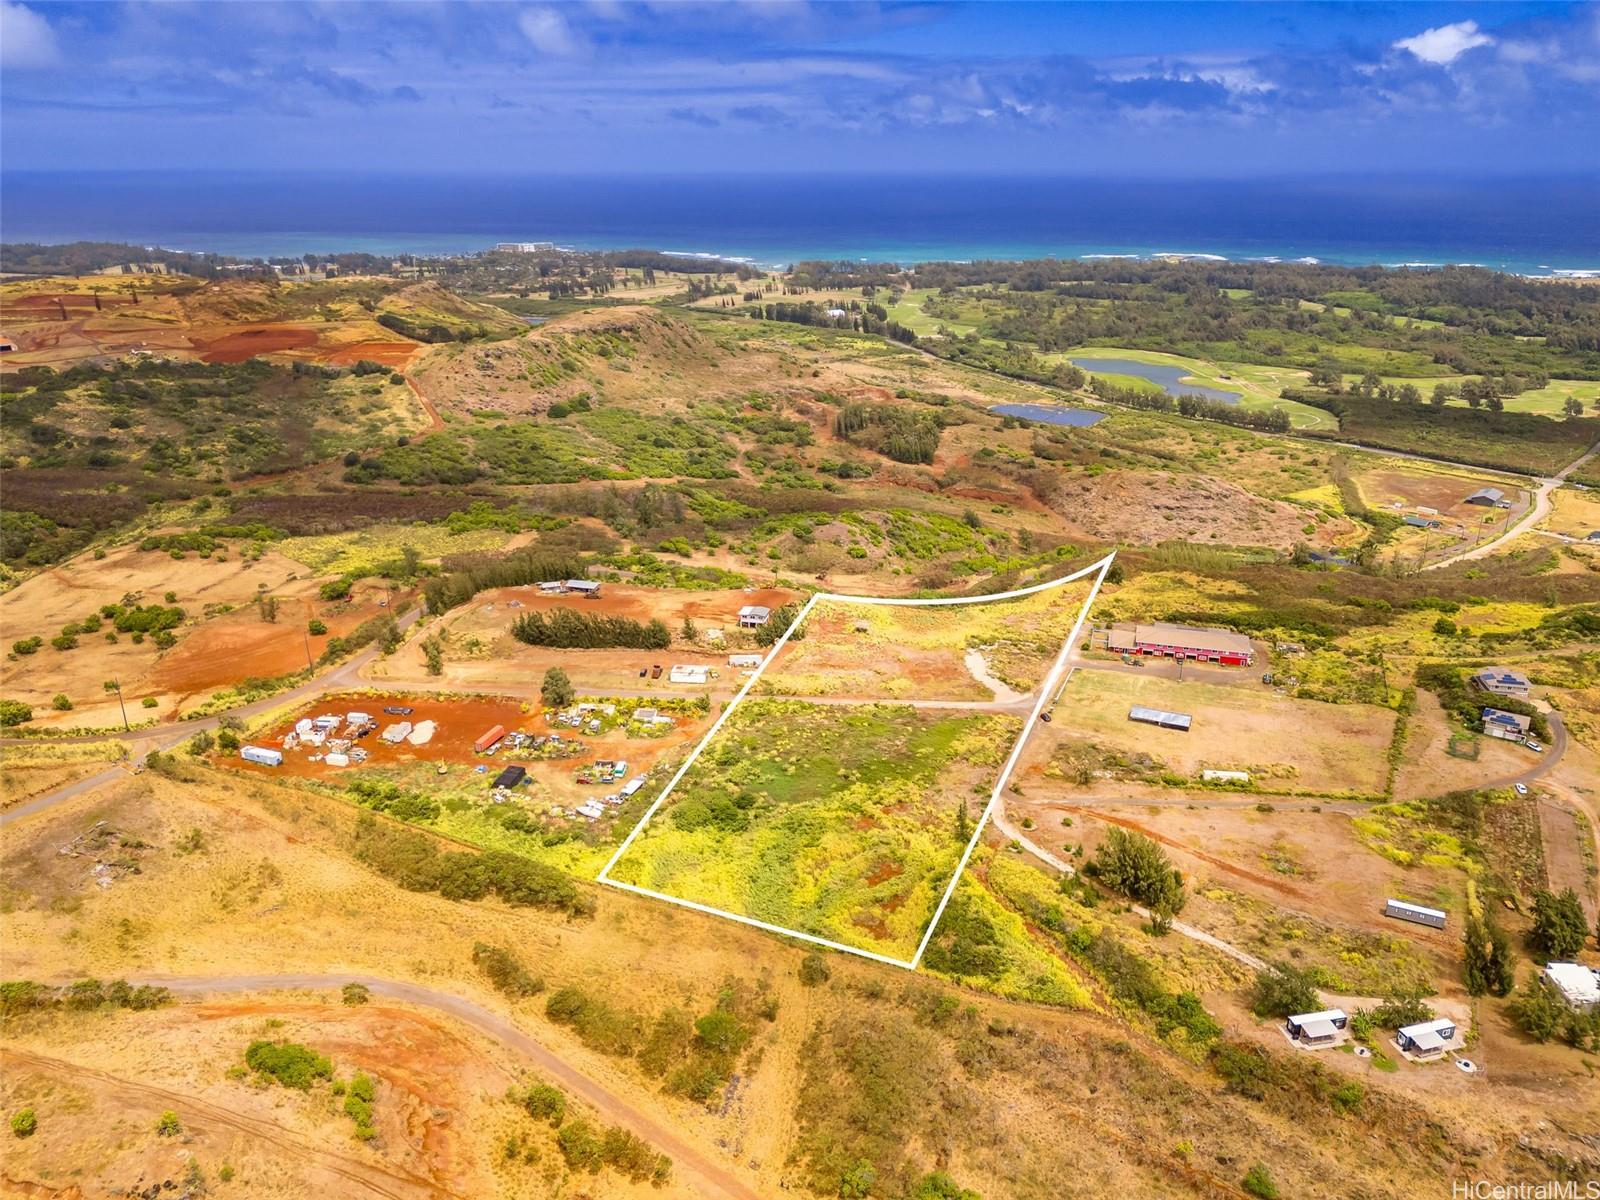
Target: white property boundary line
[[1046, 687]]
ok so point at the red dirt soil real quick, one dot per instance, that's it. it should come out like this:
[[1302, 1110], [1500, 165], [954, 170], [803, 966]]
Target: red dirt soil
[[460, 722], [241, 645], [390, 354], [242, 344]]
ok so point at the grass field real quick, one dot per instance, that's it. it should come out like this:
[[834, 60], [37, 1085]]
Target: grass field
[[1295, 745], [991, 651], [841, 822], [1258, 387], [1546, 401]]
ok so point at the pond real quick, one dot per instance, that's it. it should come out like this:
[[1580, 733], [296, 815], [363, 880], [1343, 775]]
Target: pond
[[1166, 378], [1051, 414]]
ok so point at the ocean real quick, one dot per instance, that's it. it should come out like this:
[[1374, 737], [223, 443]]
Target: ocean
[[1531, 226]]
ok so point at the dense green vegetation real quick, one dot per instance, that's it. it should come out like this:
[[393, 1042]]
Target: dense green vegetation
[[789, 789], [571, 629], [415, 862]]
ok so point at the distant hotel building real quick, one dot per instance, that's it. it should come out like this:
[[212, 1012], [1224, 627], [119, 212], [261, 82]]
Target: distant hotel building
[[523, 247]]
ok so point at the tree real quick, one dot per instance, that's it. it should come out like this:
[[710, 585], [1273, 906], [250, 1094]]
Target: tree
[[24, 1122], [1572, 406], [1536, 1010], [14, 712], [433, 654], [1559, 926], [316, 627], [168, 1124], [61, 702], [267, 606], [689, 633], [1487, 954], [1131, 863], [1283, 990], [557, 690]]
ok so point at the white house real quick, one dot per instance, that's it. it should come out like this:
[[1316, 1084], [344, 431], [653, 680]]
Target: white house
[[744, 660], [689, 674], [754, 616], [1575, 983]]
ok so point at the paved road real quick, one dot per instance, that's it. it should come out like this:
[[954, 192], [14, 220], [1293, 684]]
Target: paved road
[[708, 1177], [1537, 512]]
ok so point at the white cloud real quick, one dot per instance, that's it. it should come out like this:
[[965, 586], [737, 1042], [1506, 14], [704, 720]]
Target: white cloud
[[549, 32], [26, 39], [1442, 46]]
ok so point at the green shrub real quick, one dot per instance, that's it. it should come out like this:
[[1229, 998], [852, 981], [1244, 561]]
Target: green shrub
[[580, 1146], [14, 712], [813, 969], [356, 994], [315, 627], [289, 1063], [61, 702], [545, 1103], [1258, 1182], [505, 971], [1282, 991], [168, 1124], [24, 1122]]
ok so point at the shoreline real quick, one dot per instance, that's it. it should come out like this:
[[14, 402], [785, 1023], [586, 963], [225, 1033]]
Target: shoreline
[[297, 244]]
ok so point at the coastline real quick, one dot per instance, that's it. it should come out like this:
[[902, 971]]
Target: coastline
[[450, 245]]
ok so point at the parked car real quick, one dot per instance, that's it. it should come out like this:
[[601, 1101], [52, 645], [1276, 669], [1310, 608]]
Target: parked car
[[364, 731], [1522, 788], [1534, 746], [643, 671], [399, 710]]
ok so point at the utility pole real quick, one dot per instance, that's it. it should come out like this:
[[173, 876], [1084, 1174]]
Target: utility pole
[[305, 633], [115, 685]]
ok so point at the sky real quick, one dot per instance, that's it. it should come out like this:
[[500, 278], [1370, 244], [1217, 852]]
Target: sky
[[606, 87]]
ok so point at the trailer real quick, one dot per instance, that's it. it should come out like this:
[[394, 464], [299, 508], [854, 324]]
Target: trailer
[[396, 733], [489, 740], [1401, 910], [262, 755], [632, 786]]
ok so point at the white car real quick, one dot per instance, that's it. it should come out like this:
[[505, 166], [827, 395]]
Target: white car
[[1521, 788], [1534, 746]]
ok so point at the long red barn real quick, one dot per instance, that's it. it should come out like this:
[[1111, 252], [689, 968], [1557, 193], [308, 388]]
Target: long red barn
[[1182, 641]]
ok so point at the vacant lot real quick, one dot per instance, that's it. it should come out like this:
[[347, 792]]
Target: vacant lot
[[840, 821], [992, 652], [1286, 744]]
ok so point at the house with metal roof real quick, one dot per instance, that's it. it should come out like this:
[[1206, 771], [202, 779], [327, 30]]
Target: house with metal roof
[[1427, 1039], [754, 616], [1575, 983], [1318, 1028], [1488, 497], [1420, 522]]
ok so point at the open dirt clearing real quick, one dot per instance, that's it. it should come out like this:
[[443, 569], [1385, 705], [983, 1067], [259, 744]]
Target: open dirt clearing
[[1429, 769], [459, 721], [1288, 744]]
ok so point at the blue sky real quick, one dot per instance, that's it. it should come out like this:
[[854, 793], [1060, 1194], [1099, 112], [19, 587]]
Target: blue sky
[[1196, 89]]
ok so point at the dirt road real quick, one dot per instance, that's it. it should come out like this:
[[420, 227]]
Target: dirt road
[[355, 1176], [345, 676], [708, 1177], [1537, 512]]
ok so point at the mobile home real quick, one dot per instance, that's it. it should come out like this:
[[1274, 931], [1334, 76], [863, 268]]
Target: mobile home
[[1401, 910], [263, 755]]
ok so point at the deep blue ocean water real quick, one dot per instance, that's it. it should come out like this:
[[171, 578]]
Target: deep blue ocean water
[[1536, 226]]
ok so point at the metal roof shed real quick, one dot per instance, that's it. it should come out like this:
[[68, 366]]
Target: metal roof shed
[[1160, 717]]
